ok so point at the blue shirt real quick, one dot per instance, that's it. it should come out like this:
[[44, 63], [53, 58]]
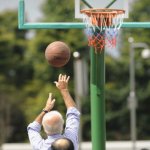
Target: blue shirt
[[70, 132]]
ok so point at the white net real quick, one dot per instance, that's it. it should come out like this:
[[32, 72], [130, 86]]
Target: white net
[[102, 27]]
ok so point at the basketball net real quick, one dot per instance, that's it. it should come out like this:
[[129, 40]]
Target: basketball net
[[102, 26]]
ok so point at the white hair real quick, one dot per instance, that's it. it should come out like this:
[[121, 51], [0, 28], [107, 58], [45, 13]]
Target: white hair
[[53, 123]]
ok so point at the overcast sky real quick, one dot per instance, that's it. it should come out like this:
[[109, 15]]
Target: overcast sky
[[32, 7]]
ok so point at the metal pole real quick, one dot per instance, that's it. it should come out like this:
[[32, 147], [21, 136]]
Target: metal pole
[[81, 84], [77, 73], [111, 3], [21, 13], [87, 4], [132, 97], [97, 100]]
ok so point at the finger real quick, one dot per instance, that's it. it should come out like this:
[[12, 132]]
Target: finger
[[59, 78], [49, 98], [63, 78], [53, 101], [67, 79], [50, 94], [56, 82]]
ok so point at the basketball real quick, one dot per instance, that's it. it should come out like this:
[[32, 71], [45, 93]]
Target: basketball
[[57, 54]]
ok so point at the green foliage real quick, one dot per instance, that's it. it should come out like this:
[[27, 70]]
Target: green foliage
[[117, 82], [28, 78], [140, 13], [14, 73], [59, 11], [116, 93], [12, 47]]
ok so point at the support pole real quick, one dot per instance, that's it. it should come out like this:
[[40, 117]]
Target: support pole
[[111, 3], [87, 4], [132, 96], [21, 13], [97, 100]]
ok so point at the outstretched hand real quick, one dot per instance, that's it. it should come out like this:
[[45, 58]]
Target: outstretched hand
[[62, 82], [62, 85], [50, 103]]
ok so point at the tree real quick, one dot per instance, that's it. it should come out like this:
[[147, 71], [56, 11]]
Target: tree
[[13, 74], [117, 86], [140, 11]]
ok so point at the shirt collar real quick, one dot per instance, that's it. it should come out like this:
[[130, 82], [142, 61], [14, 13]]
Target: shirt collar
[[54, 136]]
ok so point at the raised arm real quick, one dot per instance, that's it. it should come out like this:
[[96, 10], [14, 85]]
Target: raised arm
[[49, 105], [62, 85], [73, 115], [35, 127]]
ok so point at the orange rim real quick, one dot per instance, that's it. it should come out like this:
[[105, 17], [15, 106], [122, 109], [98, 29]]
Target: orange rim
[[104, 12], [100, 15]]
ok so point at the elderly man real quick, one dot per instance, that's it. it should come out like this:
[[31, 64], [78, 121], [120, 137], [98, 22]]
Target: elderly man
[[62, 144], [53, 122]]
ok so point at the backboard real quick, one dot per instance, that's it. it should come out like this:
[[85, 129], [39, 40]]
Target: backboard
[[113, 4], [79, 5]]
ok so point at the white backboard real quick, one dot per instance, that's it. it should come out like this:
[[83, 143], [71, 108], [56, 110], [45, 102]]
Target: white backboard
[[118, 4]]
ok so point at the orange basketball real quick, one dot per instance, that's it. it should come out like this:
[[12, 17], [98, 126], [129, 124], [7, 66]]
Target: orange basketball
[[57, 54]]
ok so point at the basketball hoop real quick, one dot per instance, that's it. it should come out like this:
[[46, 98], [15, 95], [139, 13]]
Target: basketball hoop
[[102, 26]]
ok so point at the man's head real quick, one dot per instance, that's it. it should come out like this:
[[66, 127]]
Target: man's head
[[53, 123], [62, 144]]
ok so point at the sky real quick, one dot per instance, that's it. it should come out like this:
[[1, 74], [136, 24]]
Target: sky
[[32, 8]]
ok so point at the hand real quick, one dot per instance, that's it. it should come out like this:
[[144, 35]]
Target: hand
[[62, 82], [50, 103]]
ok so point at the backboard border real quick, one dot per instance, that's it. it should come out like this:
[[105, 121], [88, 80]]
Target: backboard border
[[64, 25]]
